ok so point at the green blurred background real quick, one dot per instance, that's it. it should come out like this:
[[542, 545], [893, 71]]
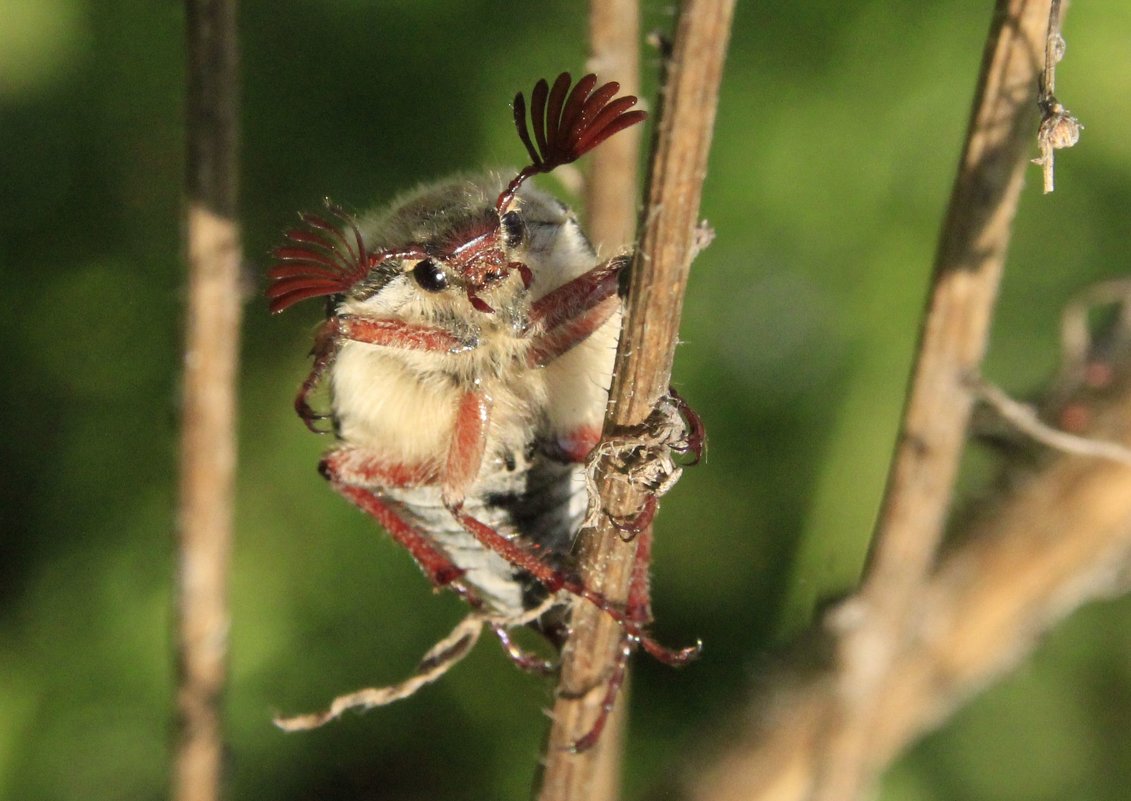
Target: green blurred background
[[838, 133]]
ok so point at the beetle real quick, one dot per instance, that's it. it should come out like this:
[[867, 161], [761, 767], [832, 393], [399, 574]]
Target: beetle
[[468, 347]]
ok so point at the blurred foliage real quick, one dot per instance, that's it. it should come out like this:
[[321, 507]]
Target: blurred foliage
[[838, 134]]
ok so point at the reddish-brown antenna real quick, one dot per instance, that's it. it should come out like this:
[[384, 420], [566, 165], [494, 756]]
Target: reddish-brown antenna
[[321, 260], [566, 127]]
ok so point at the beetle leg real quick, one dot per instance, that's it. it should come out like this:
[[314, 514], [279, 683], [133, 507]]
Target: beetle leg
[[398, 334], [532, 663], [554, 580], [573, 298], [351, 474], [469, 437], [573, 342], [612, 690], [695, 440], [469, 440], [390, 333], [324, 350], [552, 343]]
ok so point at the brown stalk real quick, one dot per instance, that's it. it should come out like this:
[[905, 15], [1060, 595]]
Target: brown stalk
[[845, 723], [611, 210], [611, 207], [1059, 128], [968, 269], [1056, 542], [643, 369], [208, 444]]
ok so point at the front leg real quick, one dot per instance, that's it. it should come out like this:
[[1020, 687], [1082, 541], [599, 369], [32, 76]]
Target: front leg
[[465, 455], [469, 441], [389, 333], [354, 474], [324, 350], [574, 347], [574, 298]]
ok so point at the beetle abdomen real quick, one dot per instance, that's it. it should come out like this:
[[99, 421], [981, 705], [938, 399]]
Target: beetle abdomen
[[533, 500]]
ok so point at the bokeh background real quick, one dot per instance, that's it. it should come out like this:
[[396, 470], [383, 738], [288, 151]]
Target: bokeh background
[[838, 133]]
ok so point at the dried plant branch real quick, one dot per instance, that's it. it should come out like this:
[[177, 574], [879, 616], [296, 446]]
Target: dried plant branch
[[1053, 541], [1056, 542], [1024, 418], [208, 445], [967, 273], [611, 210], [611, 206], [968, 268], [643, 369], [847, 720], [1058, 128]]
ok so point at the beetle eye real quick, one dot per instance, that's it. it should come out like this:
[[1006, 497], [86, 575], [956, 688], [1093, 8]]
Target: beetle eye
[[514, 229], [430, 276]]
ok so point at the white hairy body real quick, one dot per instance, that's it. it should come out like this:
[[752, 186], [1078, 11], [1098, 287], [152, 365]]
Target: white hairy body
[[399, 406]]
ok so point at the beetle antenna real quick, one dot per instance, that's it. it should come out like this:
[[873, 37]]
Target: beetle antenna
[[324, 258], [567, 124], [317, 259]]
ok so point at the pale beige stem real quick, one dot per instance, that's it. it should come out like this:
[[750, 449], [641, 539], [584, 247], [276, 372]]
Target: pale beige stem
[[1056, 541], [208, 444], [968, 270], [643, 368]]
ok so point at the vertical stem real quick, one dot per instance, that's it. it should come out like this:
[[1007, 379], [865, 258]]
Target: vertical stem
[[611, 207], [208, 450], [968, 269], [611, 212], [643, 366], [1053, 45]]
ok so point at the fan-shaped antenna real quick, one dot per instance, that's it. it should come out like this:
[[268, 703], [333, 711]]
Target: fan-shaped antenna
[[567, 124]]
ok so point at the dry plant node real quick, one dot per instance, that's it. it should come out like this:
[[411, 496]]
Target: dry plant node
[[1059, 128]]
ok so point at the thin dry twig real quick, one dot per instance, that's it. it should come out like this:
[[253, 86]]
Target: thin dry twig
[[643, 367], [208, 450], [1058, 128], [1024, 418], [611, 209]]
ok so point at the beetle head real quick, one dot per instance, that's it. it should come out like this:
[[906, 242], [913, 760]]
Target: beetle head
[[324, 258]]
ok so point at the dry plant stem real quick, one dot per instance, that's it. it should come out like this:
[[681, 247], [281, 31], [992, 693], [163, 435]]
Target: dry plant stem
[[841, 725], [644, 358], [208, 451], [1056, 542], [968, 269], [1053, 52], [611, 216], [611, 210], [610, 191], [1058, 129], [1025, 419]]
